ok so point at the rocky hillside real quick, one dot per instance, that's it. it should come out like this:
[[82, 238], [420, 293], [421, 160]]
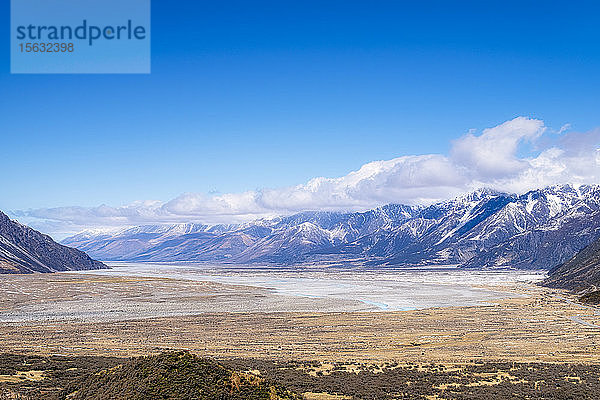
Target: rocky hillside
[[481, 229], [24, 250], [581, 272]]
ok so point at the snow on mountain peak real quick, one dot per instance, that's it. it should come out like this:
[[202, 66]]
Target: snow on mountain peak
[[481, 228]]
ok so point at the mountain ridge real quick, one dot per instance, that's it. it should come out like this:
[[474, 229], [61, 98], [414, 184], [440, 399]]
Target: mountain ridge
[[25, 250], [484, 228]]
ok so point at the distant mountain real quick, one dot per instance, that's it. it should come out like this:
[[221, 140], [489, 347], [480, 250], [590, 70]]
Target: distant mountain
[[481, 229], [581, 272], [24, 250]]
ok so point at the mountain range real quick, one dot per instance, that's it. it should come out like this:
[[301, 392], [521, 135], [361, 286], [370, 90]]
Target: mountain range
[[481, 229], [25, 250]]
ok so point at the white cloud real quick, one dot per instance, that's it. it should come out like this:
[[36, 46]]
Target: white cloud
[[490, 159], [493, 154]]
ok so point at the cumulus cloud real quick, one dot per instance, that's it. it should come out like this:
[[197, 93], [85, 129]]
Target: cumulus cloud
[[493, 154], [494, 158]]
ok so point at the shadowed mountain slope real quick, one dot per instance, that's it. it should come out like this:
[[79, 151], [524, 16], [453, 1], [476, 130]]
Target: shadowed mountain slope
[[25, 250], [580, 272]]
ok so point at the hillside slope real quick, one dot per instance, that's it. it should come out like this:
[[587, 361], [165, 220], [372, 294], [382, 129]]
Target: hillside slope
[[176, 375], [581, 272], [25, 250]]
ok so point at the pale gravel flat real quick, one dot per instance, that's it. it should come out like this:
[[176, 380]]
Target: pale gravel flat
[[144, 291]]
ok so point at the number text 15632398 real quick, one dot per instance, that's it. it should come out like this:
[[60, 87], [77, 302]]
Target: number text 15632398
[[46, 47]]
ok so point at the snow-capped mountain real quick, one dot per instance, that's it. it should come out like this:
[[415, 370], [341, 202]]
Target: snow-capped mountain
[[484, 228]]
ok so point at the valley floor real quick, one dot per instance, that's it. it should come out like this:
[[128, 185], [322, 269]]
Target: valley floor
[[86, 314]]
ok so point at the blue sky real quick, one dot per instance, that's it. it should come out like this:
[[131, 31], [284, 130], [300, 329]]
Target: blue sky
[[252, 95]]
